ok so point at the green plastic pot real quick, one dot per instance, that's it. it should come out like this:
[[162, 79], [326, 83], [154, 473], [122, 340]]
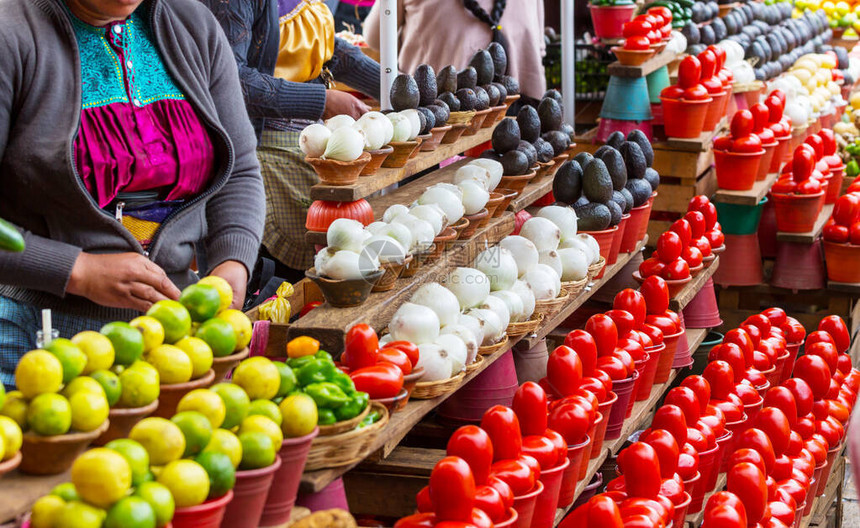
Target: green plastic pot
[[739, 219]]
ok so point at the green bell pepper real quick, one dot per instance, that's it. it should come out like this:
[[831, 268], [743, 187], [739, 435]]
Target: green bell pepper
[[322, 354], [853, 168], [342, 380], [315, 371], [371, 418], [326, 417], [327, 395], [299, 362], [353, 407]]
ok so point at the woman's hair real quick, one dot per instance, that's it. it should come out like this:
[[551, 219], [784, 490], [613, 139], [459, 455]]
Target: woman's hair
[[492, 19]]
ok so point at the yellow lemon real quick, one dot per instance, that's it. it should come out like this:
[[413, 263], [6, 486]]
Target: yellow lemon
[[187, 481], [101, 476], [15, 407], [225, 291], [198, 352], [173, 317], [136, 456], [66, 491], [97, 348], [219, 335], [38, 372], [139, 384], [161, 500], [259, 377], [258, 451], [83, 384], [10, 431], [223, 441], [45, 510], [241, 325], [266, 408], [173, 365], [49, 414], [201, 300], [205, 402], [153, 332], [161, 438], [77, 514], [300, 415], [89, 411], [263, 425], [235, 400]]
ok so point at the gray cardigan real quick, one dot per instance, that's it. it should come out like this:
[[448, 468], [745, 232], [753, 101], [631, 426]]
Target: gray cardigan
[[41, 192]]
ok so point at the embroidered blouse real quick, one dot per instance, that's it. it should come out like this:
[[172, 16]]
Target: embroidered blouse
[[137, 132]]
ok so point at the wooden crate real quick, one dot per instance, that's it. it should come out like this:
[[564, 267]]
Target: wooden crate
[[305, 291], [674, 194]]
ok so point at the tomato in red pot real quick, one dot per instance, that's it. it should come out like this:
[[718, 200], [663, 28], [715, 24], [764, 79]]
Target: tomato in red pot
[[604, 331]]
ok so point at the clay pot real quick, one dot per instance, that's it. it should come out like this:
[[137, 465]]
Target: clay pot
[[377, 157], [223, 365], [334, 172], [122, 420], [345, 293], [52, 455]]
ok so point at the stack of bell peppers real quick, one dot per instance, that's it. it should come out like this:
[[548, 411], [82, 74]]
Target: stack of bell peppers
[[377, 371]]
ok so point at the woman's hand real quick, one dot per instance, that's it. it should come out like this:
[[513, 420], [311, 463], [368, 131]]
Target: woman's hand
[[235, 274], [120, 280], [337, 102]]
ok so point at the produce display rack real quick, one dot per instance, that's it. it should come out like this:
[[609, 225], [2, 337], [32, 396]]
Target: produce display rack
[[680, 301], [664, 58], [751, 197], [695, 520], [810, 236]]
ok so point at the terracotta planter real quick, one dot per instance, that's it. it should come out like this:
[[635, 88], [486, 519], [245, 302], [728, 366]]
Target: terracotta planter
[[377, 157], [122, 420], [442, 239], [249, 496], [436, 135], [477, 122], [797, 213], [322, 213], [843, 262], [632, 57], [281, 497], [516, 183], [206, 515], [345, 293], [224, 365], [334, 172], [393, 270], [11, 464], [169, 395], [403, 152], [508, 195], [684, 119], [476, 221], [52, 455], [455, 133], [737, 171]]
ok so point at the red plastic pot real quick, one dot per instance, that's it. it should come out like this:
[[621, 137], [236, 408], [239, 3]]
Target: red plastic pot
[[779, 153], [816, 475], [715, 111], [609, 20], [575, 455], [695, 487], [525, 506], [206, 515], [586, 453], [282, 496], [624, 390], [725, 444], [684, 119], [616, 241], [664, 366], [788, 367], [547, 501], [797, 213], [798, 515], [249, 496], [709, 468], [640, 365], [637, 226], [729, 447], [604, 239], [737, 171], [843, 262], [810, 496], [766, 158], [681, 511], [590, 490], [646, 377], [752, 409], [772, 375], [825, 473], [510, 521], [604, 409], [834, 186]]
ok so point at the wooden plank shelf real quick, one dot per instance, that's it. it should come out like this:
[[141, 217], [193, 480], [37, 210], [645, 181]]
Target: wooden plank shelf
[[640, 416], [822, 503], [680, 301], [664, 58], [810, 236], [703, 143], [695, 337], [844, 287], [550, 324], [751, 197], [367, 185]]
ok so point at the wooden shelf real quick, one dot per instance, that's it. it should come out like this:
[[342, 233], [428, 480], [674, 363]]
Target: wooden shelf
[[695, 337], [844, 287], [680, 301], [703, 143], [640, 416], [651, 65], [550, 324], [367, 185], [695, 520], [20, 491], [751, 197], [811, 236]]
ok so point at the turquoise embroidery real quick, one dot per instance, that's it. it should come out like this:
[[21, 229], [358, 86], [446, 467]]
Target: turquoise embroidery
[[102, 78]]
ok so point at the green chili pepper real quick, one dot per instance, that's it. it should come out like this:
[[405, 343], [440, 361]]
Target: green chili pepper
[[322, 354], [327, 395], [371, 418], [299, 362], [353, 407], [326, 417], [315, 371], [853, 168], [342, 380]]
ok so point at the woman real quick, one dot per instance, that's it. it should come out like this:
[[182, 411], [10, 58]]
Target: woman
[[124, 143], [475, 23], [288, 55]]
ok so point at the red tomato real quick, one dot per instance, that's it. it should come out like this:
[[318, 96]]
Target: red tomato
[[817, 144], [407, 347], [473, 444], [757, 439], [748, 482], [826, 351], [637, 26], [854, 234], [731, 354], [716, 238], [683, 229], [504, 490], [810, 186], [775, 424], [653, 333], [742, 124], [749, 455], [502, 425], [677, 270], [529, 404], [697, 224], [813, 370], [632, 301], [570, 420], [452, 489], [669, 246], [689, 72], [692, 256], [383, 380], [541, 449], [667, 450], [671, 418], [613, 366], [749, 143], [419, 520], [837, 233], [489, 500], [564, 369], [361, 346], [846, 211], [835, 326], [637, 42], [687, 401], [702, 389], [724, 143], [782, 399], [656, 294], [397, 358], [604, 331], [652, 267], [672, 91], [641, 469], [802, 164], [720, 376], [516, 474], [665, 324]]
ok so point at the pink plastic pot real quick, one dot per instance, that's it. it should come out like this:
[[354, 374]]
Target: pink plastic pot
[[810, 497], [331, 496], [703, 311], [206, 515], [684, 119], [664, 366], [570, 477], [249, 496], [780, 367], [496, 385], [282, 496], [736, 171], [547, 501], [525, 506], [624, 390], [724, 443], [590, 490], [646, 377], [609, 20], [799, 266], [740, 265]]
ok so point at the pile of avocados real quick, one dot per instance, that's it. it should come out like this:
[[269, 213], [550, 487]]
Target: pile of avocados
[[537, 135], [605, 186], [481, 85]]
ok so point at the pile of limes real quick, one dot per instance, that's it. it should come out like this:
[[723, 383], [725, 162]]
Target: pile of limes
[[10, 431]]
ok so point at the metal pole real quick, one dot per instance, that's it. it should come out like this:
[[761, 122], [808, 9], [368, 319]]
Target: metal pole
[[568, 64], [387, 51]]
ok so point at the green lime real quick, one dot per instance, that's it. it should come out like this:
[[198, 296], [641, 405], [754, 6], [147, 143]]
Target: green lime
[[219, 335], [77, 514], [222, 474], [201, 300], [49, 414], [140, 385], [136, 456], [223, 441], [236, 401], [161, 500], [173, 317], [130, 512], [66, 491], [197, 431], [127, 342], [110, 383], [71, 357], [266, 408], [258, 451], [288, 379]]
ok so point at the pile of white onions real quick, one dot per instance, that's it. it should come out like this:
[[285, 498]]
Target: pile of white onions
[[469, 192], [354, 251], [343, 138]]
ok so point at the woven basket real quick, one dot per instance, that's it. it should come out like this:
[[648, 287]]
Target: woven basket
[[492, 349], [552, 306], [346, 448], [573, 288], [524, 327], [427, 390], [461, 118], [475, 364], [594, 269], [344, 426], [393, 270]]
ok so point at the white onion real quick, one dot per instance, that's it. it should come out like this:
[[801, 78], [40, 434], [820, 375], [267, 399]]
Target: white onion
[[343, 265], [542, 232], [494, 168], [435, 362], [551, 259], [544, 281], [345, 233], [580, 244], [432, 214], [563, 217], [527, 296], [322, 257], [574, 263], [313, 140], [523, 250], [475, 325], [374, 132], [376, 228], [384, 340], [412, 115], [382, 122], [439, 299], [455, 348], [422, 232], [473, 172], [447, 200], [400, 233], [339, 121], [592, 245], [499, 307], [514, 303], [345, 144], [415, 323], [466, 335], [499, 265], [475, 196], [402, 128], [450, 187], [393, 212], [385, 249], [493, 329], [469, 285]]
